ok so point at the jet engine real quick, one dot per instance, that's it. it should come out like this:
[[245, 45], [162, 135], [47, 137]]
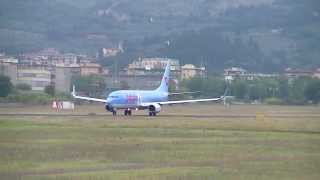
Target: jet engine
[[109, 108], [155, 108]]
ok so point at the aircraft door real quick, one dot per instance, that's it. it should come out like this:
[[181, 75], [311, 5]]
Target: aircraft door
[[139, 100]]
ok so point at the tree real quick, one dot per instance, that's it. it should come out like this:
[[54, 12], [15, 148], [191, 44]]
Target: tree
[[194, 84], [211, 86], [124, 85], [312, 91], [5, 86], [23, 86], [297, 90], [214, 86], [92, 85], [283, 89], [239, 89], [50, 89]]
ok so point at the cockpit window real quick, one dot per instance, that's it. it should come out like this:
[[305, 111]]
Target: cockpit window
[[114, 96]]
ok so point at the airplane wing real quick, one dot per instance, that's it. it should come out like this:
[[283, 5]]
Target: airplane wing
[[90, 99], [182, 101], [86, 98], [194, 100], [189, 101]]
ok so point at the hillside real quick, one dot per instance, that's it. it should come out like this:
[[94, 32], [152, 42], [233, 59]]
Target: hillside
[[275, 33]]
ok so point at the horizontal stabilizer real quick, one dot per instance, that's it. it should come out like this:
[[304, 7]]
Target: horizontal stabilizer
[[181, 93]]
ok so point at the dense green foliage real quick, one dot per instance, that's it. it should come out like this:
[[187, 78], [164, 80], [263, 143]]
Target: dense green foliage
[[210, 47], [50, 89], [5, 86], [270, 90], [33, 98], [261, 36], [208, 87], [23, 87], [312, 91], [22, 93]]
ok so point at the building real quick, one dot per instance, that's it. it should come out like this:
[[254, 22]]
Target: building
[[124, 81], [316, 73], [82, 59], [296, 73], [60, 67], [111, 52], [8, 67], [189, 70], [52, 57], [153, 66], [233, 73], [144, 73], [105, 71], [64, 75], [90, 69], [38, 77], [48, 67]]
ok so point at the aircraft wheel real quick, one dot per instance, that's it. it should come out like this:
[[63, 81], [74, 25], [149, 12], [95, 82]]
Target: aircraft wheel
[[129, 112], [152, 113], [114, 113]]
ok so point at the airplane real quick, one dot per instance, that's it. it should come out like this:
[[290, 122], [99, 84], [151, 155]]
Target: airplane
[[150, 100]]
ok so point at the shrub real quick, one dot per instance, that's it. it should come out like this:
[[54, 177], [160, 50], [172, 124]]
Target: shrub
[[29, 98], [23, 86], [50, 89], [274, 101], [5, 86]]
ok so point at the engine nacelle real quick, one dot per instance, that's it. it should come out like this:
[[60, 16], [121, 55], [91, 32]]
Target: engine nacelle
[[109, 108], [155, 108]]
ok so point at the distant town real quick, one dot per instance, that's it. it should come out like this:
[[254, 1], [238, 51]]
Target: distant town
[[51, 67]]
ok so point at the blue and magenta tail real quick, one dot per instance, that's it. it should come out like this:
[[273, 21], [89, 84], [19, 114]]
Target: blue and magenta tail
[[164, 86]]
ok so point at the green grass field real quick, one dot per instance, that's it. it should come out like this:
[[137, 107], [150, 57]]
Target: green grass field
[[282, 142]]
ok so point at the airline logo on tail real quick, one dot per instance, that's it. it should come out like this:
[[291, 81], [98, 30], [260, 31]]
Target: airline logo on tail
[[166, 80]]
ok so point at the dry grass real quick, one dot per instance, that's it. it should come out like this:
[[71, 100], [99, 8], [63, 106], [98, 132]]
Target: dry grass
[[281, 145]]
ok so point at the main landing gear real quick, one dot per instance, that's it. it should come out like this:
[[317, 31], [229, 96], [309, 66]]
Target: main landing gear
[[127, 112], [152, 114]]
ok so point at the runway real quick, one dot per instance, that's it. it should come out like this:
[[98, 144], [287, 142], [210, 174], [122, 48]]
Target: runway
[[239, 116]]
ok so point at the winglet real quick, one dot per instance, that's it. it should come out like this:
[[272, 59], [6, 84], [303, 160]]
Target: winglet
[[225, 92], [73, 91]]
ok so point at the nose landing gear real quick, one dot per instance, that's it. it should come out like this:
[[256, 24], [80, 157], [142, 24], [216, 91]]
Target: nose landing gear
[[111, 109]]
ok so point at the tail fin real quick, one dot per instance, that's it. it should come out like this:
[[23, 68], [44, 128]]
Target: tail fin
[[164, 86]]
